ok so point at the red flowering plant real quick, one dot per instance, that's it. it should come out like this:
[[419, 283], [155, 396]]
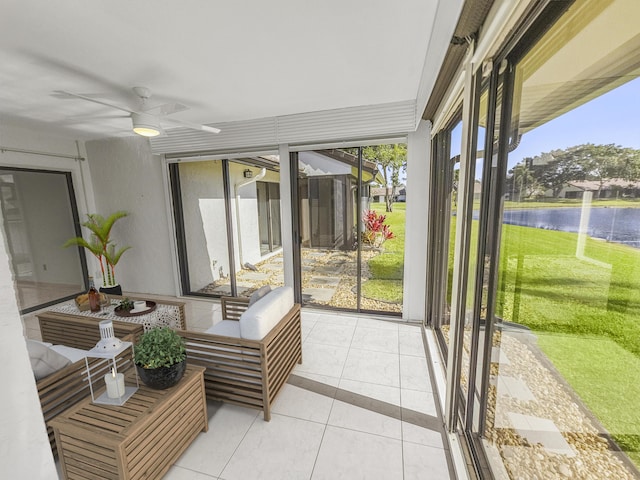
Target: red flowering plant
[[375, 231]]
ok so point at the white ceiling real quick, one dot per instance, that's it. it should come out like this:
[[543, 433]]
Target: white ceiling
[[226, 60]]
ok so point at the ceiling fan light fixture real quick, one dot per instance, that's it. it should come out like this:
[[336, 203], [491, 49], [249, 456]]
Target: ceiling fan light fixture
[[145, 125]]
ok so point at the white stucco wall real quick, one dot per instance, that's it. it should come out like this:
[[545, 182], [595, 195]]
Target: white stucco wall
[[204, 219], [126, 176], [24, 444]]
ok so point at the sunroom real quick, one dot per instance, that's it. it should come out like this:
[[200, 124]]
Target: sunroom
[[502, 309]]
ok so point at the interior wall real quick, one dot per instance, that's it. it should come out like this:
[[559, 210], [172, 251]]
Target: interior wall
[[127, 176], [24, 444]]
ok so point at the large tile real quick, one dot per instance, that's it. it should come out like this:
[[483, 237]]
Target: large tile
[[419, 401], [537, 430], [376, 339], [410, 341], [363, 420], [380, 324], [322, 359], [211, 451], [350, 455], [179, 473], [422, 462], [306, 329], [303, 404], [379, 392], [422, 436], [372, 367], [331, 381], [331, 334], [339, 318], [284, 448], [414, 373]]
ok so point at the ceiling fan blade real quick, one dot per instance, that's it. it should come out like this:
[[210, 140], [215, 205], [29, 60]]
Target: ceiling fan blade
[[94, 100], [193, 126], [166, 109]]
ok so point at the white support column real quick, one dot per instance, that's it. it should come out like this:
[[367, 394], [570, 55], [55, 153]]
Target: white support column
[[415, 248], [286, 214]]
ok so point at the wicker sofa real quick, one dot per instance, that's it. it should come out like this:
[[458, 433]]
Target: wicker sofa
[[249, 371]]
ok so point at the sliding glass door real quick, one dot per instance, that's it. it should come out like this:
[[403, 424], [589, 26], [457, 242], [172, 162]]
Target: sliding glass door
[[351, 246], [544, 296], [228, 225], [39, 215]]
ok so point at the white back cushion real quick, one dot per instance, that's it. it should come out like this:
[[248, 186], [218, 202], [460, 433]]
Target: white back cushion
[[262, 316], [227, 328]]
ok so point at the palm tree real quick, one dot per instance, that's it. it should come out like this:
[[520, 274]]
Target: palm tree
[[101, 245]]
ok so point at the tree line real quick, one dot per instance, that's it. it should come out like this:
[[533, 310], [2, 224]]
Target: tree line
[[552, 171]]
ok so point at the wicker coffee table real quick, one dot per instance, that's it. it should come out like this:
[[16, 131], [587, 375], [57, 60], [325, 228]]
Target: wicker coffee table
[[140, 439]]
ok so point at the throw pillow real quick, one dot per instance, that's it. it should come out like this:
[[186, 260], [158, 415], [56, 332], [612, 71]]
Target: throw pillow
[[45, 361], [259, 293]]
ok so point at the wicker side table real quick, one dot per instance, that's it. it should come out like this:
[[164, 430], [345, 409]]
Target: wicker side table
[[140, 439]]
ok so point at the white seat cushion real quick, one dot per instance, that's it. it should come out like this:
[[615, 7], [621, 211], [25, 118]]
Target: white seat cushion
[[258, 320], [73, 354], [228, 328], [44, 360]]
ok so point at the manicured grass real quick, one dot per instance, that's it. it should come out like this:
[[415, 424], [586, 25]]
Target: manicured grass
[[607, 379], [544, 286], [387, 268], [586, 312], [384, 290]]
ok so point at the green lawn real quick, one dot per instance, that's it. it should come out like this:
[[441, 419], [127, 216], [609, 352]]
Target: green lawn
[[607, 379], [586, 313], [388, 267]]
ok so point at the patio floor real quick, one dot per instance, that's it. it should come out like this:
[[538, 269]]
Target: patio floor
[[360, 406]]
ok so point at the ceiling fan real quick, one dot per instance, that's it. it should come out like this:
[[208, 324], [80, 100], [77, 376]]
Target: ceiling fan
[[147, 120]]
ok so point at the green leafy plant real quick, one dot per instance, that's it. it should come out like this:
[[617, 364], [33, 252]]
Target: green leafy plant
[[159, 347], [125, 304], [101, 245]]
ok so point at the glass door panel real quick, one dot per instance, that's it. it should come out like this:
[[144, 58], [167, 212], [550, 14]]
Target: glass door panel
[[328, 229], [352, 246], [201, 216], [38, 217], [255, 192]]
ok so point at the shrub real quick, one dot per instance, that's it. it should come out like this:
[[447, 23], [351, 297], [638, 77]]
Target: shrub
[[375, 231]]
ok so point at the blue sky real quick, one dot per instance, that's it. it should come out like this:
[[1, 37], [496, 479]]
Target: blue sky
[[611, 118]]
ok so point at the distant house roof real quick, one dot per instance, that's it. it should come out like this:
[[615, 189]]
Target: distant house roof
[[379, 191], [594, 185]]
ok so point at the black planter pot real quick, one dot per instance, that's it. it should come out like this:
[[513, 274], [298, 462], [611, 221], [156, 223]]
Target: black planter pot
[[163, 377], [115, 290]]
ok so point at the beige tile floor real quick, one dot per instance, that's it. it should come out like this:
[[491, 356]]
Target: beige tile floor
[[360, 406]]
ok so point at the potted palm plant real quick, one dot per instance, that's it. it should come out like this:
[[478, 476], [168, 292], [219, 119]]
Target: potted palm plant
[[160, 357], [103, 248]]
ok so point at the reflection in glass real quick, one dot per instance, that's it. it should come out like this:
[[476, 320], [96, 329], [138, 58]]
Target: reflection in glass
[[34, 202], [566, 349], [254, 206], [335, 191]]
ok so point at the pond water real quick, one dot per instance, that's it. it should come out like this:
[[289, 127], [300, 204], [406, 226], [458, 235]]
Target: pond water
[[620, 225]]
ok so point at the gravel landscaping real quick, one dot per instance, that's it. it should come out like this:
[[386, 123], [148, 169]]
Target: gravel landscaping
[[537, 426], [319, 269]]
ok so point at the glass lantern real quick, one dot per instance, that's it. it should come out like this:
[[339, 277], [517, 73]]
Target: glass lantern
[[112, 354]]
